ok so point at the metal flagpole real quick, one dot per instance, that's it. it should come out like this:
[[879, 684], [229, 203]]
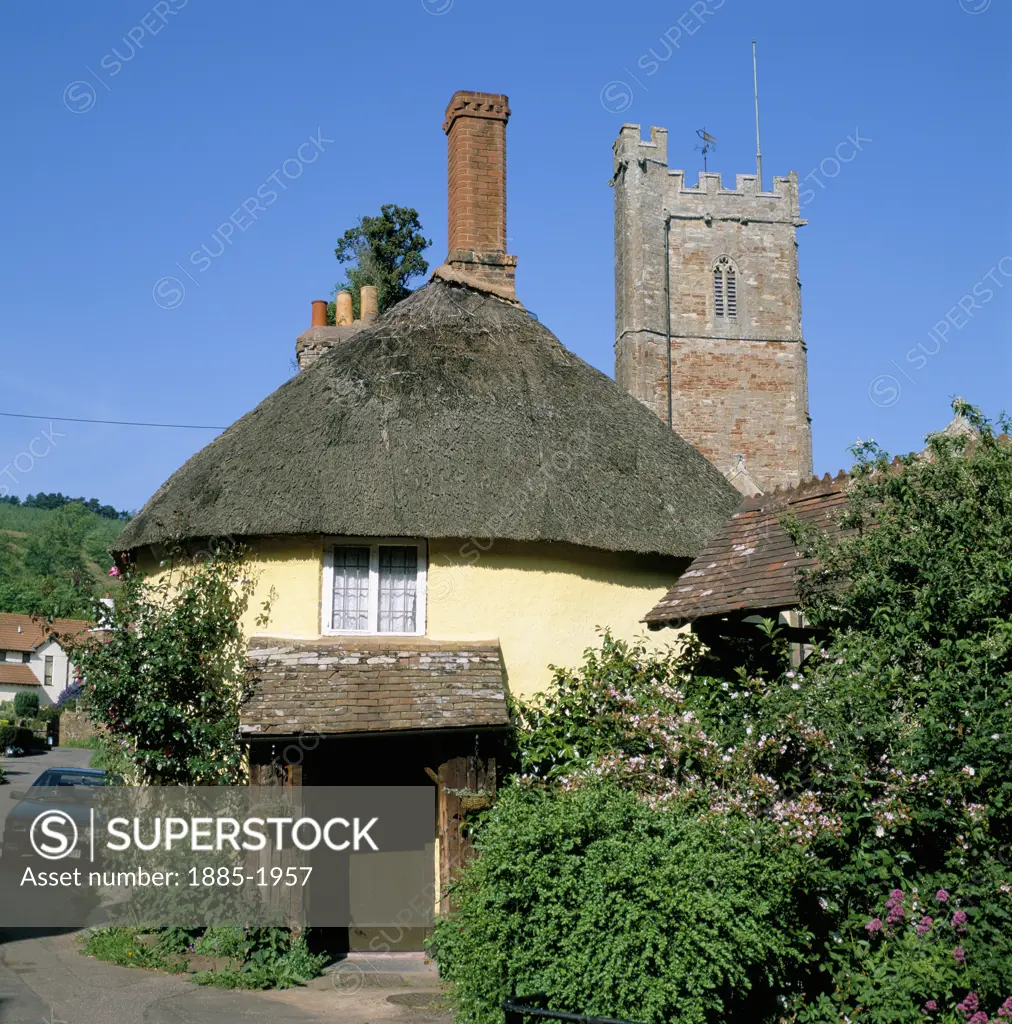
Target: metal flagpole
[[758, 147]]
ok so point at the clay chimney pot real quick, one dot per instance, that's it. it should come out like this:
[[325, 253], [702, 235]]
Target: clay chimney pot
[[344, 313], [368, 303], [319, 313]]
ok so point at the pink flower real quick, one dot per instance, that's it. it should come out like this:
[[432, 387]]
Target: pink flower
[[959, 955], [942, 896], [969, 1004], [959, 920], [1005, 1010], [980, 1017], [929, 1006], [114, 571], [924, 926], [874, 925]]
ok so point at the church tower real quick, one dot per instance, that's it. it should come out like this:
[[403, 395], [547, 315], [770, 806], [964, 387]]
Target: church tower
[[738, 365]]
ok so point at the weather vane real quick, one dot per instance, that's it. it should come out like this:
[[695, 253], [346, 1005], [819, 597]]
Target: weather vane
[[709, 142]]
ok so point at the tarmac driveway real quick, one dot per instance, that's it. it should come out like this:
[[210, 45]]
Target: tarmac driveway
[[45, 980]]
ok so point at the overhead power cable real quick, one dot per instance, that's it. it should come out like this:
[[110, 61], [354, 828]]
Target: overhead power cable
[[114, 423]]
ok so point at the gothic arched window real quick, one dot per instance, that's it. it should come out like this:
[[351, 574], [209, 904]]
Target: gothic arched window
[[725, 289]]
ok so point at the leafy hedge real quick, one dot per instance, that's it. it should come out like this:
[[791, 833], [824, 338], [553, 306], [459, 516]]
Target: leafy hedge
[[15, 735], [617, 910], [167, 677]]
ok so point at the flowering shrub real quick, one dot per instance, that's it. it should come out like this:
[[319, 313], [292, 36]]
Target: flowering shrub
[[877, 773], [911, 965], [168, 674]]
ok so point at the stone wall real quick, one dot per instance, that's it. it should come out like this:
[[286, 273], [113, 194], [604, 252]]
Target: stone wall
[[75, 727], [739, 384]]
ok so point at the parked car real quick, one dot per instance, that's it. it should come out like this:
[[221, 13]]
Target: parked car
[[41, 795]]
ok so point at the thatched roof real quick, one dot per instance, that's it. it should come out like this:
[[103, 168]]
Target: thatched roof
[[455, 414]]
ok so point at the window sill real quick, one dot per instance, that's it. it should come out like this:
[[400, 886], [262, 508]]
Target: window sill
[[364, 632]]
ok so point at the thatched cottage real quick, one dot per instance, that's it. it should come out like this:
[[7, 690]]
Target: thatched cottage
[[445, 501]]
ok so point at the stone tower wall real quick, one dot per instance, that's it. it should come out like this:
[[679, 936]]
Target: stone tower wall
[[739, 386]]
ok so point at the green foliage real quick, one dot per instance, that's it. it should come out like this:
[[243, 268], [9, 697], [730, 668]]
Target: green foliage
[[385, 251], [91, 743], [169, 678], [26, 705], [263, 958], [614, 909], [912, 965], [58, 500], [585, 713], [15, 735], [128, 947], [882, 762], [54, 562], [258, 958]]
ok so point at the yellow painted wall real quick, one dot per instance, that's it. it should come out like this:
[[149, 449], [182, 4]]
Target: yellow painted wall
[[293, 567], [542, 602]]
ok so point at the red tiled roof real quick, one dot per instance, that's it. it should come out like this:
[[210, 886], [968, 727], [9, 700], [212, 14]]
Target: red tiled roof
[[25, 633], [372, 684], [19, 675], [751, 563]]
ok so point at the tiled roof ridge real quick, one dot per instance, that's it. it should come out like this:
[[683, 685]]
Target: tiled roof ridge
[[815, 486]]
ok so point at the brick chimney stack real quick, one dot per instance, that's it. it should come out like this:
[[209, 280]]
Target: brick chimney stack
[[475, 127]]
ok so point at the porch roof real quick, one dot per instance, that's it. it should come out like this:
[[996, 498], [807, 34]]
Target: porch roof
[[751, 564], [17, 675], [372, 684]]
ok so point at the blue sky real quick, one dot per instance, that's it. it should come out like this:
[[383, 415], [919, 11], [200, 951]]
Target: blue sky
[[135, 129]]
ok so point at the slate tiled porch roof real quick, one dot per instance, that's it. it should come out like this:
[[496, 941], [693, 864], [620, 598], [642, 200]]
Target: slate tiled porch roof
[[341, 685], [751, 564]]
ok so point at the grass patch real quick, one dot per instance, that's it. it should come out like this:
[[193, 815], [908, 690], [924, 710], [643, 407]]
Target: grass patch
[[250, 959], [261, 959], [127, 947], [91, 743]]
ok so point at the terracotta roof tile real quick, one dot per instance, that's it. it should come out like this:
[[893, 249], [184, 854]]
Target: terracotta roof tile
[[19, 675], [751, 563], [25, 633]]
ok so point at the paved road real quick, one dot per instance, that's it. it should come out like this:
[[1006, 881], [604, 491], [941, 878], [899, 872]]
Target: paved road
[[45, 980]]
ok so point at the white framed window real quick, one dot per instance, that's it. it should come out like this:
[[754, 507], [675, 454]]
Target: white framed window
[[374, 586]]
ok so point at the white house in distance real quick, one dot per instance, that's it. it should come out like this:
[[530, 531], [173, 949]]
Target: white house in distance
[[31, 660]]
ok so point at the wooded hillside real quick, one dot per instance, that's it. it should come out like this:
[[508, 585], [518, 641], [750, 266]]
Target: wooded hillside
[[54, 561]]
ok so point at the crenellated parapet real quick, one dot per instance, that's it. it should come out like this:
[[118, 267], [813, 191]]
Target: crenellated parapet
[[707, 197], [738, 378]]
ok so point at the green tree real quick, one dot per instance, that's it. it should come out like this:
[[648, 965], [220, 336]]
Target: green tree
[[385, 251], [54, 578], [168, 677], [26, 705]]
